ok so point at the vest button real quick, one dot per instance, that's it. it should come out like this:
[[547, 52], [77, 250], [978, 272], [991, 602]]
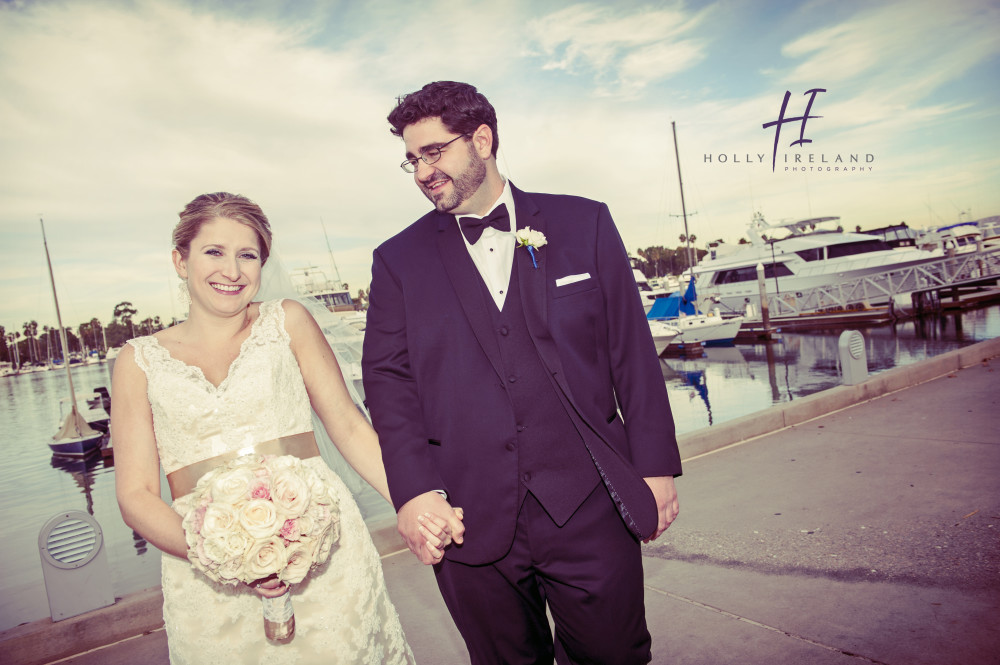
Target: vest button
[[504, 330], [526, 477], [512, 379], [511, 446], [520, 428]]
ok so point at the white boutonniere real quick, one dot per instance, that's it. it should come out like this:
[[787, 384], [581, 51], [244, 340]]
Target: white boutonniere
[[532, 240]]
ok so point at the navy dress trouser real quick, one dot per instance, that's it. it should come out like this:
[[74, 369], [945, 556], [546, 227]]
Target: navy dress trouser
[[589, 571]]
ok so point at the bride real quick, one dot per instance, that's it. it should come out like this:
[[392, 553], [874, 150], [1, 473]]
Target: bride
[[239, 373]]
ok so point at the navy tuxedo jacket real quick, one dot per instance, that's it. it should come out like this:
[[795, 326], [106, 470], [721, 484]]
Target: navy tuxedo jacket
[[433, 377]]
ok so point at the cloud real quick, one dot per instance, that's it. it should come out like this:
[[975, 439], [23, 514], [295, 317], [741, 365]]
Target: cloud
[[623, 51], [905, 48]]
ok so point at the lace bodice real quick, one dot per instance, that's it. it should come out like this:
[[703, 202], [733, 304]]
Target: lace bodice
[[262, 397]]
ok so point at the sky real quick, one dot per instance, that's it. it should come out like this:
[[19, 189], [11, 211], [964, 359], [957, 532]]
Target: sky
[[115, 114]]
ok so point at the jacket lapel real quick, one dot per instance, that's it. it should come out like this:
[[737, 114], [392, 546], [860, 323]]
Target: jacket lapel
[[466, 281], [533, 286]]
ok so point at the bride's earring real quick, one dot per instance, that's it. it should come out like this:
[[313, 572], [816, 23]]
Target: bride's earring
[[184, 293]]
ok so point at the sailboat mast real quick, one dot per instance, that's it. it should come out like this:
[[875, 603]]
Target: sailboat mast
[[680, 181], [329, 249], [62, 331]]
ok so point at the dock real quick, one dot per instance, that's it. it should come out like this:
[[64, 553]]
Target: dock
[[859, 525]]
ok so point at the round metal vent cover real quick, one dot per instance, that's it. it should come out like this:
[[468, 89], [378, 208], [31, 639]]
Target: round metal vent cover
[[70, 540]]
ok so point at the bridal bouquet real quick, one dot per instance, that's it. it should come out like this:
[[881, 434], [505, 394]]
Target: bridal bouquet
[[260, 516]]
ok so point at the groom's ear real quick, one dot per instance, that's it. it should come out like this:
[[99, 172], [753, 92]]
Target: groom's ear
[[482, 141]]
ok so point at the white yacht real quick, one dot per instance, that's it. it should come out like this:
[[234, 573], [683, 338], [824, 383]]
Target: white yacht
[[797, 256], [313, 282], [647, 290]]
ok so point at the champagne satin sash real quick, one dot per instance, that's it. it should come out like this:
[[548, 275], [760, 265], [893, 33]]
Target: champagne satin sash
[[183, 480]]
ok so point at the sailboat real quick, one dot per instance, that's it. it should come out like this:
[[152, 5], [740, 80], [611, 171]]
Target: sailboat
[[74, 438], [680, 312]]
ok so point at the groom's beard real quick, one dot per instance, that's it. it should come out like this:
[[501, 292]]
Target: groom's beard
[[464, 186]]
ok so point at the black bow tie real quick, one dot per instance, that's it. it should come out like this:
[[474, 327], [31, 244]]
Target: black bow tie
[[473, 227]]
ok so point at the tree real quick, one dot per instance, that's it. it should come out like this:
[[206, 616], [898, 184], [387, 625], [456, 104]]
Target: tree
[[47, 332], [151, 325], [96, 328], [30, 332], [124, 311]]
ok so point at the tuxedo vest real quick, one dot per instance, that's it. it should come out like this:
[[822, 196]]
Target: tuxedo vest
[[553, 462]]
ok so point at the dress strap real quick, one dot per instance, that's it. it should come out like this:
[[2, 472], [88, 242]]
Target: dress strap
[[183, 480]]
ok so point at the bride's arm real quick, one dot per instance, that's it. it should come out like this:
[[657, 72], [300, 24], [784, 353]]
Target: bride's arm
[[348, 429], [137, 464]]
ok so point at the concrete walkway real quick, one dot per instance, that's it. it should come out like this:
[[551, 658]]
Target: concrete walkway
[[863, 526]]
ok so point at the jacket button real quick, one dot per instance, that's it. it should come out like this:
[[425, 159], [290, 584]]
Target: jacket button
[[510, 446], [526, 477], [512, 379]]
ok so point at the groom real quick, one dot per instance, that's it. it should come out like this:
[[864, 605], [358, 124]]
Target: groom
[[514, 375]]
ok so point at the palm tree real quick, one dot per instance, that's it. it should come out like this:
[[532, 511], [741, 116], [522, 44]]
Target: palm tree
[[30, 331], [48, 343], [12, 337], [96, 327]]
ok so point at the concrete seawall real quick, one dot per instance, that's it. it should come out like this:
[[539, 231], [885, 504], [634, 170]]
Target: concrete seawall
[[44, 641]]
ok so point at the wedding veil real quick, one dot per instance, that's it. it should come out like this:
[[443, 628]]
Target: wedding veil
[[346, 341]]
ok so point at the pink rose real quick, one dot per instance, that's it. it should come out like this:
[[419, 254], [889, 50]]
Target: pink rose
[[290, 530]]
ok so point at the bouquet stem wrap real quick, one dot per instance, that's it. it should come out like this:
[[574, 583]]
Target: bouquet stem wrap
[[279, 618]]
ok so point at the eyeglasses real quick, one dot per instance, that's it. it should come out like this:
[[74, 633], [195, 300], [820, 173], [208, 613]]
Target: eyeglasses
[[429, 156]]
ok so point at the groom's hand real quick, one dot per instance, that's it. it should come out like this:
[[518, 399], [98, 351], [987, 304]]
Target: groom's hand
[[409, 524], [666, 502]]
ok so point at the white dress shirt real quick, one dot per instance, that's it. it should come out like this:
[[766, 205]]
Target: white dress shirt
[[494, 253]]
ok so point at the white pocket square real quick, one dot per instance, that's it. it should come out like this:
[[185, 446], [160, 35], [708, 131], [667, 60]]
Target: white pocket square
[[570, 279]]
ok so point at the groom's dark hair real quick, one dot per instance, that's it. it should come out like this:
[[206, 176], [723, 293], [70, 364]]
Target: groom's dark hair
[[460, 106]]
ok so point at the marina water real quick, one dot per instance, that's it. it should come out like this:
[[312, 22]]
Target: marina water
[[723, 384]]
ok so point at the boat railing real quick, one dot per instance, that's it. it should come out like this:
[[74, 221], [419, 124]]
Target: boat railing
[[855, 295]]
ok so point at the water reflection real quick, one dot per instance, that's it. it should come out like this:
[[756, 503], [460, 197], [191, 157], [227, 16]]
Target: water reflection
[[730, 382], [82, 471]]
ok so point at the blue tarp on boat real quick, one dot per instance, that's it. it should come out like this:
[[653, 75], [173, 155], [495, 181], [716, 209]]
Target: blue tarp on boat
[[672, 306]]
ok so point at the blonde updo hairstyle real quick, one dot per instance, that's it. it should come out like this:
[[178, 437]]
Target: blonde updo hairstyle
[[208, 207]]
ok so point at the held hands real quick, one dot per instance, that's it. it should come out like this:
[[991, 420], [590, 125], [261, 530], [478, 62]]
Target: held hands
[[428, 524], [666, 502]]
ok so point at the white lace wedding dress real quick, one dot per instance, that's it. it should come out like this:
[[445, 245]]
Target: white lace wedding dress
[[342, 611]]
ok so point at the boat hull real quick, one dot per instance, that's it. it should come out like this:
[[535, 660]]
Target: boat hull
[[77, 447], [663, 334], [704, 329]]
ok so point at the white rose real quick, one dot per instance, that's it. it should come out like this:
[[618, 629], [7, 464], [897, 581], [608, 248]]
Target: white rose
[[236, 543], [276, 463], [260, 518], [325, 541], [215, 551], [290, 492], [219, 520], [300, 557], [231, 485], [535, 238], [266, 557], [232, 571]]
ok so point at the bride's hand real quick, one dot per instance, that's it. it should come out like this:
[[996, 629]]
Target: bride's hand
[[436, 532], [270, 587]]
